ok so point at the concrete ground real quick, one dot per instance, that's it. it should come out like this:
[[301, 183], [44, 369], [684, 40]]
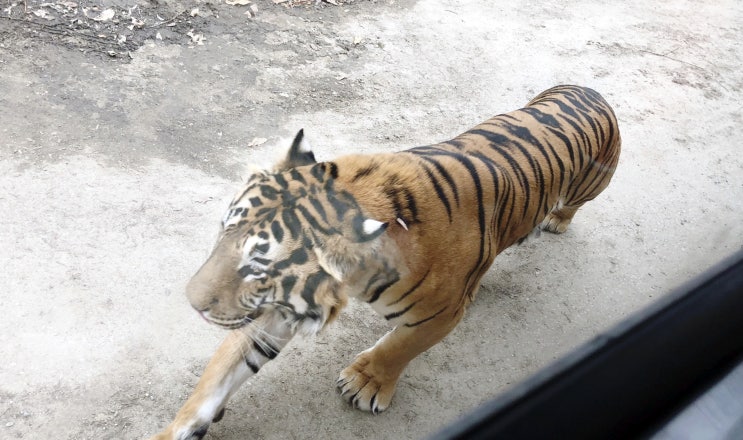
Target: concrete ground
[[123, 136]]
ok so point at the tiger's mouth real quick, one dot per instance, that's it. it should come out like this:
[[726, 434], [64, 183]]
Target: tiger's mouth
[[231, 323], [283, 310]]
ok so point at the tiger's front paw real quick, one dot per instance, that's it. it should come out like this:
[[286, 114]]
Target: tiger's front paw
[[366, 386], [197, 434], [191, 431]]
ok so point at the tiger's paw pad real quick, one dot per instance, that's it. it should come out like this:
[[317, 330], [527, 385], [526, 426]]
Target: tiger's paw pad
[[555, 224], [363, 390]]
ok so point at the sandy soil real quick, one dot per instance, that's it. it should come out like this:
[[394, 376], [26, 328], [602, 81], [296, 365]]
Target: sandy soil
[[117, 157]]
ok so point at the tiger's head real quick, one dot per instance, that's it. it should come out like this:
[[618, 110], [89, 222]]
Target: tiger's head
[[287, 241]]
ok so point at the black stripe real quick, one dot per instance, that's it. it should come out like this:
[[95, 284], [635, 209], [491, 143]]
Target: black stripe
[[310, 287], [283, 309], [313, 221], [491, 166], [318, 172], [296, 175], [526, 135], [401, 312], [412, 289], [298, 256], [569, 146], [281, 181], [319, 208], [269, 192], [445, 174], [398, 194], [363, 172], [277, 231], [500, 143], [266, 350], [372, 280], [507, 207], [287, 284], [602, 107], [414, 324], [573, 97], [551, 123], [268, 212], [379, 290], [262, 261], [262, 248], [338, 205], [253, 367], [577, 115], [291, 222], [564, 109], [560, 164], [497, 202], [581, 188], [247, 270], [439, 190], [590, 186], [543, 118], [585, 112], [596, 107], [393, 195], [565, 140], [456, 143], [470, 167], [245, 302], [412, 206], [333, 169], [581, 152]]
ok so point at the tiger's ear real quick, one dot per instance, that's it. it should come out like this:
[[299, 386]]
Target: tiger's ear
[[340, 257], [299, 154]]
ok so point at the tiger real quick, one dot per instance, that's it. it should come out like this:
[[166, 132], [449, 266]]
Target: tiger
[[411, 233]]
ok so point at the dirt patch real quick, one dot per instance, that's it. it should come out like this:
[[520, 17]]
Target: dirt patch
[[115, 170], [115, 28]]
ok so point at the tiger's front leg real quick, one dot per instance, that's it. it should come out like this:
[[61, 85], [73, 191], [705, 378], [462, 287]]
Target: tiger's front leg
[[240, 356], [370, 381]]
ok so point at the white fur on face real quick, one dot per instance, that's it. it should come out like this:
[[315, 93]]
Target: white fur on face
[[371, 226]]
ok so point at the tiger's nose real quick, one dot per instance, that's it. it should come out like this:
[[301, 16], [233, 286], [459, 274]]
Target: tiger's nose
[[205, 309], [200, 296], [214, 280]]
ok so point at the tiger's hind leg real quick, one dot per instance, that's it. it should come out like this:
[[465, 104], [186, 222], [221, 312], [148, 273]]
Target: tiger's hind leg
[[585, 187], [558, 220]]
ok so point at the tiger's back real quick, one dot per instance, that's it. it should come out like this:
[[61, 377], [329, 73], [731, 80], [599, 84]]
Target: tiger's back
[[467, 199]]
